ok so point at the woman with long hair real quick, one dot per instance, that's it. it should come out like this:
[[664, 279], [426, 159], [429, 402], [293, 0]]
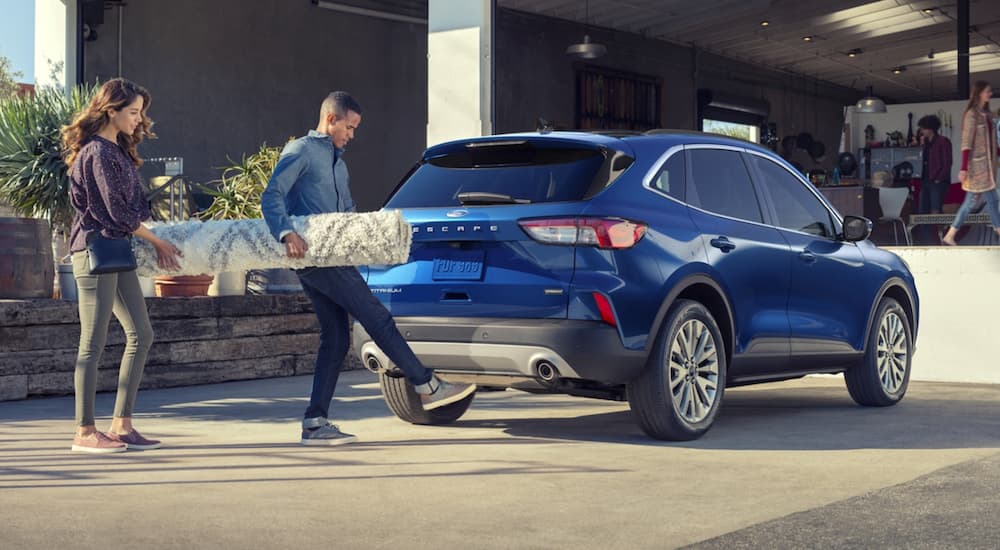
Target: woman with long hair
[[108, 200], [979, 160]]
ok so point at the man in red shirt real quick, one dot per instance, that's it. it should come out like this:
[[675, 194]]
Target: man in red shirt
[[936, 172]]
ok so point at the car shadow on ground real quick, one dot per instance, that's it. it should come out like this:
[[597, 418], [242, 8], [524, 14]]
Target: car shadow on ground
[[818, 418]]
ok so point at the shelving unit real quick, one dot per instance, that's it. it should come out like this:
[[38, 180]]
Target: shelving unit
[[607, 99]]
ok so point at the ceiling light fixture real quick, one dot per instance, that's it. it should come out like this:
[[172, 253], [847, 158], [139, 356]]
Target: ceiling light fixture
[[897, 70], [765, 23], [587, 49], [929, 10], [870, 103], [855, 52], [807, 38]]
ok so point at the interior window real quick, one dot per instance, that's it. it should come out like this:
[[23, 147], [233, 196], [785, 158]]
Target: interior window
[[718, 182], [670, 179], [796, 207]]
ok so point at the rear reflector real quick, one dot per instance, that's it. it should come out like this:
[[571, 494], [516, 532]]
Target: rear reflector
[[609, 233], [604, 307]]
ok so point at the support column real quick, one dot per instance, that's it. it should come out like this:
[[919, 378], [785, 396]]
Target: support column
[[459, 69], [963, 49], [56, 43]]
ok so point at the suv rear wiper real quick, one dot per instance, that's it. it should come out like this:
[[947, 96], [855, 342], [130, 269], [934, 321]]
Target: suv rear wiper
[[480, 198]]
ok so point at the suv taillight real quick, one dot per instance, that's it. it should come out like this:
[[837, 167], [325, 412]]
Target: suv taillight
[[609, 233]]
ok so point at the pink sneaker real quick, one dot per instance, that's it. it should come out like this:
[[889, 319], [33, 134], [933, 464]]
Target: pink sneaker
[[97, 443], [134, 440]]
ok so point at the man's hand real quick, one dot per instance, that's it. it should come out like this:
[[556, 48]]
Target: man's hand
[[295, 246], [963, 175]]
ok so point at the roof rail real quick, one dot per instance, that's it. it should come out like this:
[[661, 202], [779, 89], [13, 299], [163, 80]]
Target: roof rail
[[613, 132], [660, 131]]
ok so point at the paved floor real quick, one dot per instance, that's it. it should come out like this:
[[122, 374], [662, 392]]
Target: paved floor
[[793, 465]]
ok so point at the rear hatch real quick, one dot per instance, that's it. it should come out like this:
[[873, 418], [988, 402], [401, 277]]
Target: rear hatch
[[490, 235]]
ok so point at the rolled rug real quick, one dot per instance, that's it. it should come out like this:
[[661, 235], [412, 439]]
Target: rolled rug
[[342, 239]]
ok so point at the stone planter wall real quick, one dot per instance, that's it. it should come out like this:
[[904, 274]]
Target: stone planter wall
[[196, 341]]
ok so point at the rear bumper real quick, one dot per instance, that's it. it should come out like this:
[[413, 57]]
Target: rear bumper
[[584, 350]]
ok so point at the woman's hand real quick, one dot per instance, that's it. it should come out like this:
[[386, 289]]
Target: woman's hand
[[962, 175], [166, 252], [167, 255]]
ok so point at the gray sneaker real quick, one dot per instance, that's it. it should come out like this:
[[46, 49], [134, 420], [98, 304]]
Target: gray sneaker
[[326, 435], [438, 393]]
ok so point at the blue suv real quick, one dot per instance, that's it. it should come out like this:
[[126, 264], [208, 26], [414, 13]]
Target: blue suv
[[658, 268]]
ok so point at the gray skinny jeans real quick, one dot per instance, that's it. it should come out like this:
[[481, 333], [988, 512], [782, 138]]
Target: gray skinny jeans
[[100, 296]]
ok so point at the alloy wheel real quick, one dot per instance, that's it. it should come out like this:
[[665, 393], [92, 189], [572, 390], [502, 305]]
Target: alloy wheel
[[892, 353], [693, 367]]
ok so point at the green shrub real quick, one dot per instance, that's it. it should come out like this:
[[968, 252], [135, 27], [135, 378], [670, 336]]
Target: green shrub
[[34, 177], [237, 194]]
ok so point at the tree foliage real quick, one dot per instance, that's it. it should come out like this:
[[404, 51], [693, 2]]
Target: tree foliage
[[8, 79]]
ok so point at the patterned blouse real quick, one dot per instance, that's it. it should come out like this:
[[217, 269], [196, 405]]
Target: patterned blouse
[[106, 192]]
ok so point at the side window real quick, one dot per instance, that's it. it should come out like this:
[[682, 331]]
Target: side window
[[670, 178], [718, 182], [796, 207]]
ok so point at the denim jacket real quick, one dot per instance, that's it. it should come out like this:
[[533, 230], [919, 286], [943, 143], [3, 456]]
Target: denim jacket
[[310, 178]]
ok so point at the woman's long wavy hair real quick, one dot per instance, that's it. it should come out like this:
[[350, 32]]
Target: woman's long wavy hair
[[977, 88], [115, 94]]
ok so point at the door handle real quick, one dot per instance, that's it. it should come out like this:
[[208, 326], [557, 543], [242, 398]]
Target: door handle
[[722, 243], [807, 257], [455, 296]]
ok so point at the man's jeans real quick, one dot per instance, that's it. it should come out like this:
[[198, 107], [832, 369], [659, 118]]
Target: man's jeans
[[932, 197], [337, 292]]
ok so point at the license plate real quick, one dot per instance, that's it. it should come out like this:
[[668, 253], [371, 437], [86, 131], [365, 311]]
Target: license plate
[[459, 266]]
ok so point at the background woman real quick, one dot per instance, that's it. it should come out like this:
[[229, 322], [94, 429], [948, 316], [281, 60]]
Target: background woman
[[979, 160]]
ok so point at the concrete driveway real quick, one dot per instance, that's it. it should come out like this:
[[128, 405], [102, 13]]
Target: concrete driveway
[[793, 465]]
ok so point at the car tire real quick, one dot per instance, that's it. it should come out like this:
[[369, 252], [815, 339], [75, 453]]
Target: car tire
[[405, 403], [679, 393], [880, 379]]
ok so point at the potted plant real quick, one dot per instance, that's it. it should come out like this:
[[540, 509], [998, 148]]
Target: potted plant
[[34, 178], [236, 196]]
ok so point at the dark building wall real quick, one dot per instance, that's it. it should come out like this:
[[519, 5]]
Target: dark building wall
[[535, 79], [227, 75]]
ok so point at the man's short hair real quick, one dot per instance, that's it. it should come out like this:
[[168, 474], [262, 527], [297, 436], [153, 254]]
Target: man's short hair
[[340, 103], [930, 122]]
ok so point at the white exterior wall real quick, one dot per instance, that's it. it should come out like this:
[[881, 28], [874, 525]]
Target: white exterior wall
[[959, 313], [459, 69], [55, 42]]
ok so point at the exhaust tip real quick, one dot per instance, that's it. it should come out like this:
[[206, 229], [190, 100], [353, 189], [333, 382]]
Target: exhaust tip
[[373, 364], [546, 371]]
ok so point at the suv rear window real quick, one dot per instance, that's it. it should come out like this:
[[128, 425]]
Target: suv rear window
[[535, 172]]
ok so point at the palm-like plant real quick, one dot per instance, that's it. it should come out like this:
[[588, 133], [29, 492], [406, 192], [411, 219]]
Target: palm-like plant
[[237, 193], [34, 177]]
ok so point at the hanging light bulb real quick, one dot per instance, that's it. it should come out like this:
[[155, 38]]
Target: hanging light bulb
[[587, 49], [870, 103]]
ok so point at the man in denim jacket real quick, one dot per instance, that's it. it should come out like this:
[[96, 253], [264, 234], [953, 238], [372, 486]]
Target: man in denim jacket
[[311, 178]]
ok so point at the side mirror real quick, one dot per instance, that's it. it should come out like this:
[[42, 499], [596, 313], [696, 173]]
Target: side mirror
[[856, 228]]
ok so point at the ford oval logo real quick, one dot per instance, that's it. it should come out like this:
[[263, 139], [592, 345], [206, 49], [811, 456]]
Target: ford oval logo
[[457, 213]]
